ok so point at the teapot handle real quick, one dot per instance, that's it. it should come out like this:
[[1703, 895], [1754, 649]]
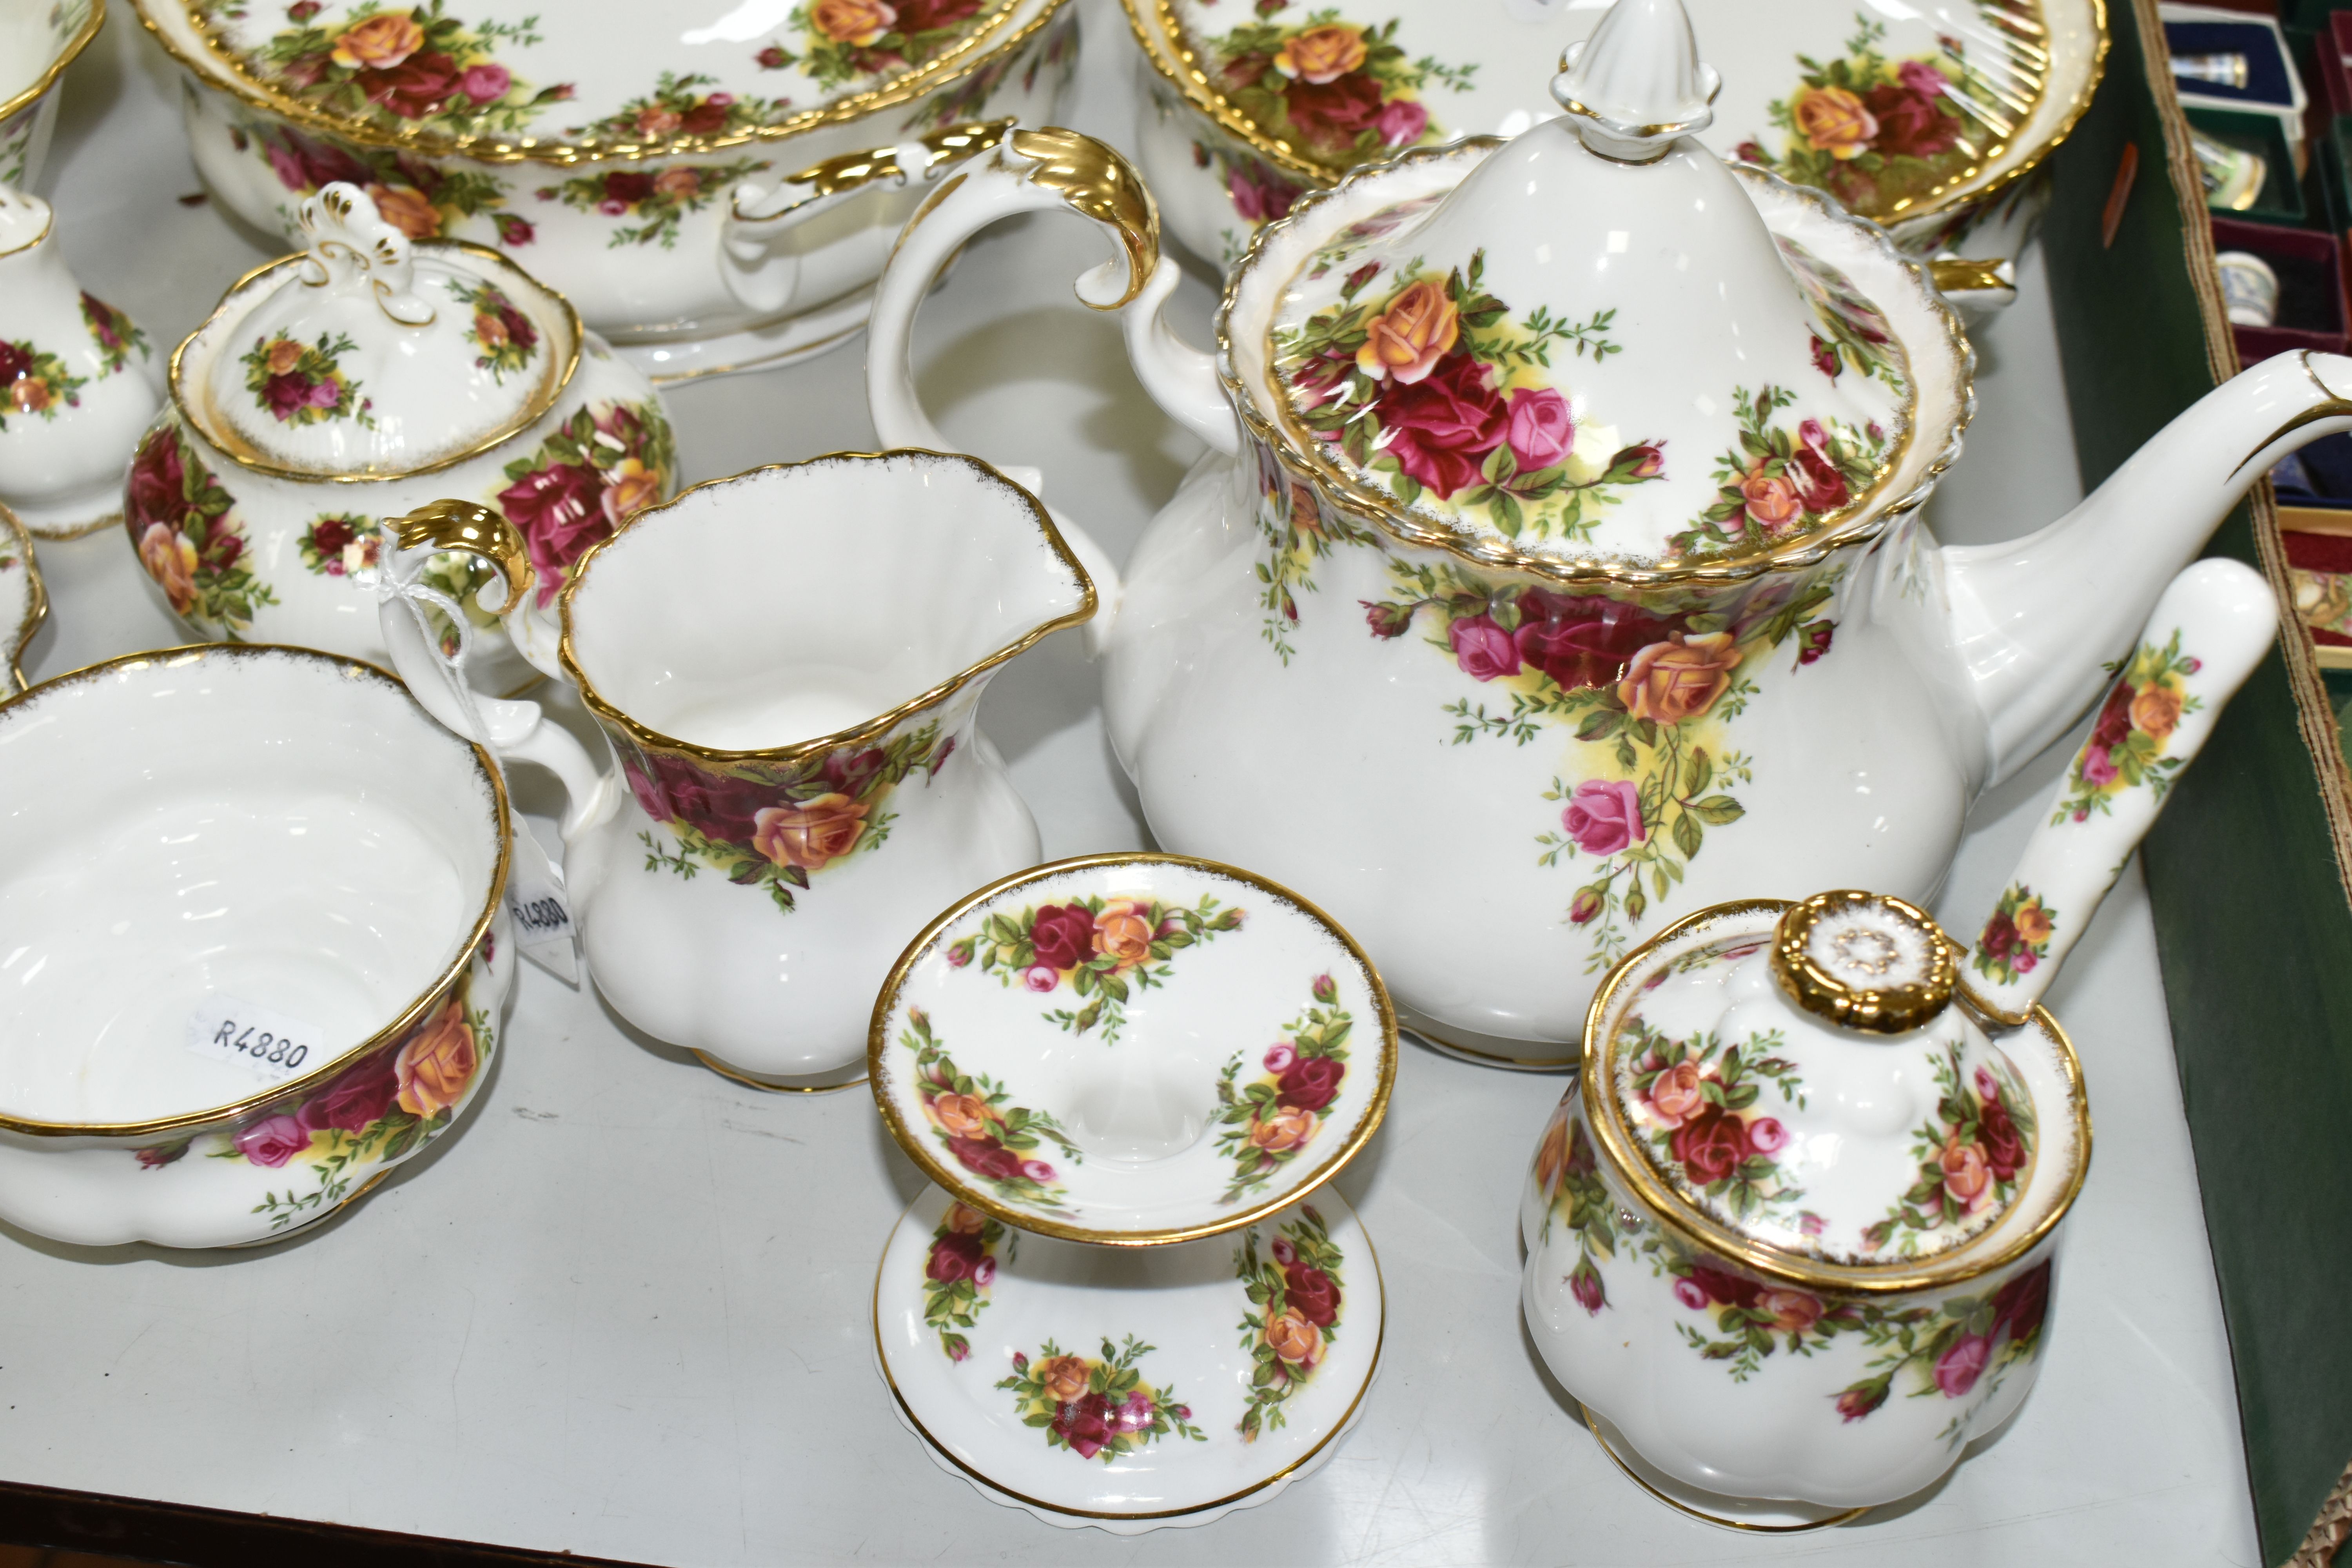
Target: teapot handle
[[512, 730], [2207, 633], [1041, 171], [755, 260]]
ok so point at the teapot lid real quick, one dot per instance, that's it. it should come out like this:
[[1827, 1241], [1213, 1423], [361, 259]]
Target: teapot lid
[[373, 355], [1811, 1088], [1593, 345]]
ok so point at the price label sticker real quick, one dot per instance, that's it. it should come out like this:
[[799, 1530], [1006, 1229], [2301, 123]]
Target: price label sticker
[[541, 914], [268, 1043]]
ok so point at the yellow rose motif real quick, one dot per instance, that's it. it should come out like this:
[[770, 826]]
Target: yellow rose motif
[[489, 330], [960, 1115], [1679, 678], [1834, 121], [1294, 1339], [1288, 1127], [629, 487], [1122, 933], [406, 208], [965, 1221], [380, 42], [2156, 709], [810, 836], [170, 560], [30, 393], [283, 355], [1408, 339], [2033, 922], [853, 22], [1063, 1378], [437, 1063], [1321, 54]]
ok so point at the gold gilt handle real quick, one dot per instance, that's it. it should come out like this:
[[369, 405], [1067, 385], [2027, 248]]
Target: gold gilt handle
[[1967, 281], [462, 525], [1095, 182]]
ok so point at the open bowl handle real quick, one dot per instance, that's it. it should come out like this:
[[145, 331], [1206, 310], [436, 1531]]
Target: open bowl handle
[[1046, 169]]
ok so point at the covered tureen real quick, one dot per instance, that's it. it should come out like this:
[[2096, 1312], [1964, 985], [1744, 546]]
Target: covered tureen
[[360, 380], [1931, 119], [1557, 569], [714, 184]]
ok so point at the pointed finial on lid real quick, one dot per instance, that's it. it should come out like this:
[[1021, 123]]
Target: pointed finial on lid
[[1637, 84]]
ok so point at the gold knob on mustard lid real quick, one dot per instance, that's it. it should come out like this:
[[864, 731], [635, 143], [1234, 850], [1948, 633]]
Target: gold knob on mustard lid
[[1865, 961]]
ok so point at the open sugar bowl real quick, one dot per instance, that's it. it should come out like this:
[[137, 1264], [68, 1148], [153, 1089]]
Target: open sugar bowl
[[252, 927], [1131, 1300], [1791, 1238]]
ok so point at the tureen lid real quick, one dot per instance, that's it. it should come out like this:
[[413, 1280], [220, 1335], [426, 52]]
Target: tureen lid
[[519, 79], [372, 355], [1811, 1088], [1593, 345]]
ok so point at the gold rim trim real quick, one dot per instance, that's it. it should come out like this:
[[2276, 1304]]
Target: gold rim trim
[[1723, 1520], [1339, 1428], [409, 1015], [1191, 82], [748, 1081], [1864, 521], [220, 68], [1444, 1046], [68, 532], [1672, 1211], [855, 171], [871, 728], [878, 1046], [234, 447], [37, 600], [1889, 1010], [48, 227], [57, 68]]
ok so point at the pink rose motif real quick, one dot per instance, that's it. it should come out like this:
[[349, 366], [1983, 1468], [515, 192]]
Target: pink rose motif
[[485, 83], [984, 1271], [1767, 1135], [1958, 1369], [1604, 816], [1284, 1253], [959, 955], [1279, 1059], [1921, 78], [1038, 1170], [1483, 649], [2098, 768], [1400, 123], [1541, 431], [1825, 357], [1584, 1284], [1041, 977], [273, 1140], [1691, 1295]]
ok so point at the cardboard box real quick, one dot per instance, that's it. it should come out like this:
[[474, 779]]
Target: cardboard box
[[2251, 869]]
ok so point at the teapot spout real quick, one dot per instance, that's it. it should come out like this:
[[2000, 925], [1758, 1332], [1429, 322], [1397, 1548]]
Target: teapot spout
[[2035, 621]]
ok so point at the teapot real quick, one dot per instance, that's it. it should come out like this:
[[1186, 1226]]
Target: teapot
[[1791, 1237], [1557, 568]]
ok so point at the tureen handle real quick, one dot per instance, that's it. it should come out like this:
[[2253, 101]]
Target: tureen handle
[[760, 266], [2209, 629], [511, 730], [1034, 171]]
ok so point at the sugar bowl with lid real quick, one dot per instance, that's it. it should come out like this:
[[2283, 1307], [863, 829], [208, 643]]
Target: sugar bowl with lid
[[361, 379], [1565, 492], [1791, 1237]]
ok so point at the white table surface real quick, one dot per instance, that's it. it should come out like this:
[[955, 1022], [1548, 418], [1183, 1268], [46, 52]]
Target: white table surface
[[624, 1312]]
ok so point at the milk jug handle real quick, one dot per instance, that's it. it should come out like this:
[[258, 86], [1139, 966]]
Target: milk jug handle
[[1038, 171], [513, 730], [2207, 633]]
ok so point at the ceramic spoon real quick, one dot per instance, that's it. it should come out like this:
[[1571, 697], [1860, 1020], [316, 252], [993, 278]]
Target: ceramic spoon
[[2208, 631]]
